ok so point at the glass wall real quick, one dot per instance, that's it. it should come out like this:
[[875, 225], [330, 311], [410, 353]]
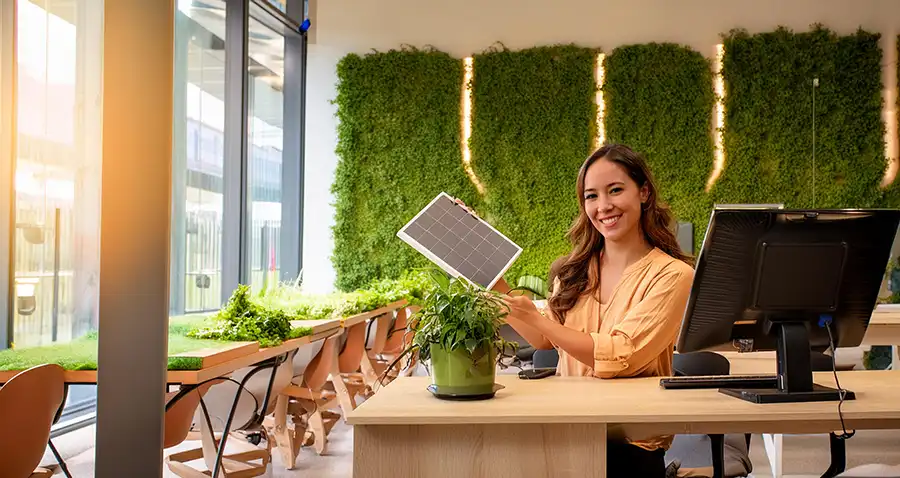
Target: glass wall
[[198, 156], [57, 171], [265, 149], [207, 256]]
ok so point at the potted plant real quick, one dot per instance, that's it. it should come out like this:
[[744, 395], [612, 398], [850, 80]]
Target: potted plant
[[457, 330]]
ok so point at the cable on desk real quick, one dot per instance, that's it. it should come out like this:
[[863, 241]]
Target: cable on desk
[[826, 322]]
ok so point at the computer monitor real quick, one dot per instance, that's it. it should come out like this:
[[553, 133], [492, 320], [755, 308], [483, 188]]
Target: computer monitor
[[778, 277]]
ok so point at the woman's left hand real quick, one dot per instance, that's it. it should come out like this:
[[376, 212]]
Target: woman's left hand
[[522, 308]]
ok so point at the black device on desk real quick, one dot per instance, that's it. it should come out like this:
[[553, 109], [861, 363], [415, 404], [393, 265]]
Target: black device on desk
[[536, 373], [791, 281]]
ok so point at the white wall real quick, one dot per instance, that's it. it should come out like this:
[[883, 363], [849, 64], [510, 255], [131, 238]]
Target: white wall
[[464, 27]]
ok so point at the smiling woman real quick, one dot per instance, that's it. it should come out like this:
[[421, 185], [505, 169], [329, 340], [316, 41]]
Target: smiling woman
[[619, 297]]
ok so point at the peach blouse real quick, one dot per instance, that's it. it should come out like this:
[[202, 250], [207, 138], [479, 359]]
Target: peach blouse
[[634, 333]]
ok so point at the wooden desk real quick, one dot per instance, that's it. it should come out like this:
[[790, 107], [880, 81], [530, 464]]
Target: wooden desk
[[559, 426]]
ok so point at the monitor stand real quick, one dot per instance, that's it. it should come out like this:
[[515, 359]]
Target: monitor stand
[[795, 381]]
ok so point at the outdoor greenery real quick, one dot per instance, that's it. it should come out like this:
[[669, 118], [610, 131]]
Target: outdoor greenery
[[399, 145], [533, 124], [772, 155], [659, 99]]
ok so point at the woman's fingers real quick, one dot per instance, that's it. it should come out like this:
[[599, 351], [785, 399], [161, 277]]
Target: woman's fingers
[[463, 205]]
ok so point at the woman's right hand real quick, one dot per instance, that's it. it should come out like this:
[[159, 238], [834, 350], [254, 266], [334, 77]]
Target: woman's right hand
[[463, 205]]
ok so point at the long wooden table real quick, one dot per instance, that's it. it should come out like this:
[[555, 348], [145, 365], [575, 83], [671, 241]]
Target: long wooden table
[[246, 358], [558, 427]]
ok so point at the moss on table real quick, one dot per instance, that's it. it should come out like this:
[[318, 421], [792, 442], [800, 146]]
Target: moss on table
[[81, 353]]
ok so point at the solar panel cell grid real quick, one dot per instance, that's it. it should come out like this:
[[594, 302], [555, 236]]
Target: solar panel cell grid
[[460, 243]]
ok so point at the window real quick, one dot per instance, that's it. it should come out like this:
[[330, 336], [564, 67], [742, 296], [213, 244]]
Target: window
[[236, 83], [266, 146], [198, 157], [56, 237]]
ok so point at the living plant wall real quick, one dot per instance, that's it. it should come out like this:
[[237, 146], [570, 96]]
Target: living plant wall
[[399, 145], [788, 140], [659, 101], [533, 125]]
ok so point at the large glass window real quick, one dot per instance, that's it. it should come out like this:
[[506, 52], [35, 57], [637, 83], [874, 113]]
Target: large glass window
[[264, 155], [198, 157], [56, 253], [232, 220]]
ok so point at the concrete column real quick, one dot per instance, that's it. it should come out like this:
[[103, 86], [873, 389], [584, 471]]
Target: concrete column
[[134, 235]]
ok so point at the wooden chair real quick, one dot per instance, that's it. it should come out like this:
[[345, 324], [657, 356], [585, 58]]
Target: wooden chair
[[398, 339], [256, 399], [28, 404], [372, 362], [289, 436], [180, 408], [307, 401], [350, 356]]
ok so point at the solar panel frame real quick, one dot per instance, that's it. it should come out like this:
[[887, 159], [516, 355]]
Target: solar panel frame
[[425, 232]]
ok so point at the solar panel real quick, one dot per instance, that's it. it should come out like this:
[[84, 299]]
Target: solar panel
[[459, 243]]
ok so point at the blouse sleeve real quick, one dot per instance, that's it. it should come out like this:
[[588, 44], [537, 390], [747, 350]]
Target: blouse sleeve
[[647, 329]]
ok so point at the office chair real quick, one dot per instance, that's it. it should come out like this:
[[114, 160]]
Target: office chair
[[737, 461]]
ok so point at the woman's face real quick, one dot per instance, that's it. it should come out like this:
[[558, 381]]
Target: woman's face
[[612, 201]]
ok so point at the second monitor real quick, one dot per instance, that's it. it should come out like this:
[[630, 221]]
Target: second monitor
[[790, 281]]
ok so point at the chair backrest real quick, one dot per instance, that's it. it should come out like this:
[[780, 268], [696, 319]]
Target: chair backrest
[[28, 404], [220, 398], [180, 414], [304, 355], [396, 339], [700, 363], [320, 367], [377, 332], [354, 348]]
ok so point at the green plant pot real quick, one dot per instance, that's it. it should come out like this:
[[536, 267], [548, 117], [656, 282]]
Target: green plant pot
[[457, 373]]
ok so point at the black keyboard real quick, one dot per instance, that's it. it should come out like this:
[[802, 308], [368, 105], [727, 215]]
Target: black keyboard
[[720, 381]]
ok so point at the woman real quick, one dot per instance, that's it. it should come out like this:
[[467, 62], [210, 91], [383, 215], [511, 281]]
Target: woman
[[619, 297]]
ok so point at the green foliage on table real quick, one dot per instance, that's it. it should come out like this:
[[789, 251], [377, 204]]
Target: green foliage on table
[[533, 124], [411, 286], [398, 147], [244, 320], [659, 100], [769, 119]]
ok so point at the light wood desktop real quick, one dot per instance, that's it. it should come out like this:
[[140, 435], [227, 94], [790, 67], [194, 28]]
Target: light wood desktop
[[558, 426]]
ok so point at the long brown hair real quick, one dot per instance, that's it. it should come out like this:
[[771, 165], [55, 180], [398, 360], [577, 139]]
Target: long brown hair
[[587, 242]]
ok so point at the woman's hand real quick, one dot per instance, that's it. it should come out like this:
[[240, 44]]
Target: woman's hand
[[460, 203], [522, 308]]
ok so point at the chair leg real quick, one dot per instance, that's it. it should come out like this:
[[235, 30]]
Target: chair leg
[[317, 425], [838, 456], [717, 447], [62, 463]]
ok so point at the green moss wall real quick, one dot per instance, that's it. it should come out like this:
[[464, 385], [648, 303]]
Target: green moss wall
[[770, 120], [399, 146], [533, 125], [659, 101]]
